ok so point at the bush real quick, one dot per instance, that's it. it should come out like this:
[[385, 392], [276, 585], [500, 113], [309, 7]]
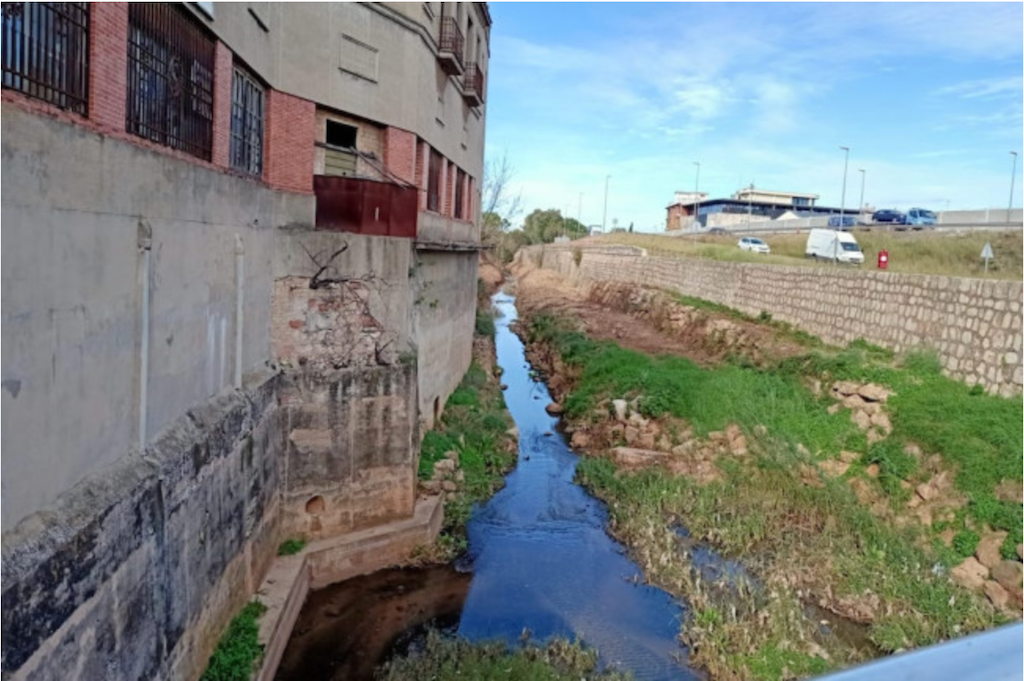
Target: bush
[[484, 324], [290, 547], [239, 649], [965, 543]]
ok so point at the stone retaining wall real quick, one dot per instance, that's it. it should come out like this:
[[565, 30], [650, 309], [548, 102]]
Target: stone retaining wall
[[973, 324]]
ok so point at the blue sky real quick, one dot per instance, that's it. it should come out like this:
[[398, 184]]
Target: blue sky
[[928, 97]]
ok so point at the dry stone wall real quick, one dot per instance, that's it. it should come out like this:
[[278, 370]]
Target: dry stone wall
[[973, 324]]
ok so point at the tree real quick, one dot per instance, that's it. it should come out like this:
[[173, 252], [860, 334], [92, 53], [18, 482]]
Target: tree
[[496, 196], [542, 226]]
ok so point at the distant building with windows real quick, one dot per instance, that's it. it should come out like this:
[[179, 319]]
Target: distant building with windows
[[746, 203]]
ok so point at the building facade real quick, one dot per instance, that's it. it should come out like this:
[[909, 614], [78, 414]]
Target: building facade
[[239, 282]]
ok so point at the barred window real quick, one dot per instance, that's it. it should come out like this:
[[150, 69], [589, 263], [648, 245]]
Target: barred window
[[460, 179], [170, 78], [45, 50], [246, 123]]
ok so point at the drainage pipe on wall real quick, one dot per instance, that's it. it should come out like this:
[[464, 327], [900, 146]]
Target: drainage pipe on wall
[[239, 305], [145, 239]]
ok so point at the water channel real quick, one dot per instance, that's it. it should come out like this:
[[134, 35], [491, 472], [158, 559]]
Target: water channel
[[539, 557]]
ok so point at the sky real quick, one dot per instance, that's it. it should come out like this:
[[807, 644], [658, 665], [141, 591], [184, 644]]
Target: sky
[[928, 97]]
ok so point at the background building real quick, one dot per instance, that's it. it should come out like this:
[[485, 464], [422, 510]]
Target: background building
[[239, 280]]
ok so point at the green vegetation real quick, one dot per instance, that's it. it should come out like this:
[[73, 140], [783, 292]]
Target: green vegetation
[[289, 547], [448, 659], [484, 323], [474, 424], [795, 536], [238, 650], [956, 255]]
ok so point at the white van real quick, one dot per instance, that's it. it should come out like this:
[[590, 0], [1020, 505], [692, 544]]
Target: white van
[[828, 244]]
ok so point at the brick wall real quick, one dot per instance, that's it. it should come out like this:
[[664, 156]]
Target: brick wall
[[974, 325], [223, 73], [288, 142], [400, 153], [108, 65]]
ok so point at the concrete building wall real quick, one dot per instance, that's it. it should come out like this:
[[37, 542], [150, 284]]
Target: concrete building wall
[[975, 325], [73, 296], [444, 319]]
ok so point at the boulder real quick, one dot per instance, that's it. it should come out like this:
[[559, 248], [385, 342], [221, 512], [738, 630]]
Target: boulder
[[862, 420], [554, 409], [430, 486], [997, 595], [873, 470], [1009, 573], [987, 552], [633, 457], [732, 432], [580, 440], [621, 408], [970, 573], [853, 402], [881, 420], [453, 455], [848, 457], [449, 486], [631, 435], [444, 466], [845, 387], [927, 490], [834, 469], [870, 408], [873, 392], [738, 446]]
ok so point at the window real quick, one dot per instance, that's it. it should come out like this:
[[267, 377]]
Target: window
[[341, 135], [45, 49], [460, 180], [246, 123], [340, 157], [434, 181], [170, 78], [801, 201]]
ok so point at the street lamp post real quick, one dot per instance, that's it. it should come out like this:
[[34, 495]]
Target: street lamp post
[[1013, 180], [842, 203], [863, 174], [696, 198], [604, 216]]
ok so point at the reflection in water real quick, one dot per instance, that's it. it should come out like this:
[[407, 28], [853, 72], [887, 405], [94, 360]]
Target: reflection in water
[[540, 559]]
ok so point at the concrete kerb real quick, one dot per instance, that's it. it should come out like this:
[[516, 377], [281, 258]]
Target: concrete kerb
[[329, 561]]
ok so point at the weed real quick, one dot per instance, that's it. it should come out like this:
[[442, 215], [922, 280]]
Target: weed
[[484, 324], [289, 547], [965, 543], [238, 649], [577, 255]]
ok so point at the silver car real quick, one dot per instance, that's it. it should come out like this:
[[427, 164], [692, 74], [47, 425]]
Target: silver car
[[753, 244]]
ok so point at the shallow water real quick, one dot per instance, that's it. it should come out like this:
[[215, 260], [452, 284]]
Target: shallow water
[[540, 561]]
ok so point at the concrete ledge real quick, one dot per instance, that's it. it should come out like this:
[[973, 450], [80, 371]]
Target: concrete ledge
[[334, 560]]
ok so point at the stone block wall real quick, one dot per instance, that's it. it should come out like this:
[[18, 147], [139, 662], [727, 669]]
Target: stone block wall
[[974, 325]]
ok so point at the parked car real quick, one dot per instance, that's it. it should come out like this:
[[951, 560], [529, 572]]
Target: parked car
[[831, 244], [717, 230], [842, 221], [919, 218], [753, 244], [889, 215]]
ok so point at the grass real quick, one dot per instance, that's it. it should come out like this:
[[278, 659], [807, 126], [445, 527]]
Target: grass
[[289, 547], [474, 424], [238, 649], [940, 253], [444, 659], [794, 535]]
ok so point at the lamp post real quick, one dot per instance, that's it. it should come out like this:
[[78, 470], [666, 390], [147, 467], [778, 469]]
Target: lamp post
[[604, 216], [842, 203], [1013, 180], [863, 174]]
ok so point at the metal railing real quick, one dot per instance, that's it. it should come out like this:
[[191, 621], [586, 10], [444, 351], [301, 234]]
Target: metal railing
[[46, 52], [170, 79], [451, 39], [473, 81]]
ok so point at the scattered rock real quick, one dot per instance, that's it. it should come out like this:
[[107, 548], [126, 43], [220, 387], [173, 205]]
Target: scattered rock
[[881, 420], [637, 420], [647, 440], [738, 446], [996, 594], [718, 436], [924, 514], [946, 536], [1009, 573], [862, 490], [449, 486], [580, 440], [760, 430], [460, 476], [873, 393], [453, 455], [631, 435], [871, 408], [834, 409], [809, 476], [1011, 491], [554, 409], [732, 432], [875, 435], [862, 420], [970, 573], [873, 470], [633, 457], [848, 457], [912, 450], [802, 449], [988, 549], [834, 469], [430, 486], [620, 407], [853, 402], [861, 608], [513, 432]]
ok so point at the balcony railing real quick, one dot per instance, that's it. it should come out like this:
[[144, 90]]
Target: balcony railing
[[473, 84], [361, 206], [453, 46]]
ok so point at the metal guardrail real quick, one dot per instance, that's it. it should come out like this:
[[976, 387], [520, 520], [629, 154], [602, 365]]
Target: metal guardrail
[[989, 656]]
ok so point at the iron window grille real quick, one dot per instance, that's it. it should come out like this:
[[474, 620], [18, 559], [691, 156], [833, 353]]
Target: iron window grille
[[460, 179], [170, 78], [45, 52], [434, 182], [246, 123]]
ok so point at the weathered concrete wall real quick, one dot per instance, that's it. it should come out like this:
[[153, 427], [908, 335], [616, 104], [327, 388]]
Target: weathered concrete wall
[[135, 571], [444, 319], [72, 296], [973, 324], [352, 449]]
